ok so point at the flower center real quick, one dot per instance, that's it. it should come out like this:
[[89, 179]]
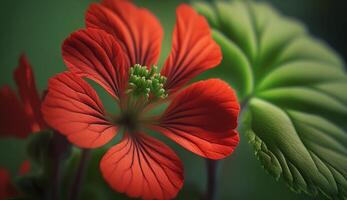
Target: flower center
[[129, 121], [146, 83], [144, 86]]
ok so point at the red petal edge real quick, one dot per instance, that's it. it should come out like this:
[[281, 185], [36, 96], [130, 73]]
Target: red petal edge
[[202, 119], [31, 100], [95, 54], [74, 109], [143, 167], [193, 49], [136, 28]]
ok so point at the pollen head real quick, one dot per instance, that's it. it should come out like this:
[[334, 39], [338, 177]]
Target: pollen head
[[144, 82]]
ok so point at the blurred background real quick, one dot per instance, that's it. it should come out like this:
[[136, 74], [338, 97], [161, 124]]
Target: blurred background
[[38, 28]]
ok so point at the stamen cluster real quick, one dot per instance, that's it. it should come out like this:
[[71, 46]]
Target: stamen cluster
[[144, 82]]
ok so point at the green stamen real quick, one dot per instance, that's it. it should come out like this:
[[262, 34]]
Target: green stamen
[[144, 82]]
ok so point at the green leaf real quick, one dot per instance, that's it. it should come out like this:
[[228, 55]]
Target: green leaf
[[294, 91]]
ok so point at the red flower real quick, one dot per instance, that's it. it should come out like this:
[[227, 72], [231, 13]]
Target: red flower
[[19, 118], [119, 42]]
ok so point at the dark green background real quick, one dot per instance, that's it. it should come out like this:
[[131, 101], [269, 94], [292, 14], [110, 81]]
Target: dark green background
[[38, 28]]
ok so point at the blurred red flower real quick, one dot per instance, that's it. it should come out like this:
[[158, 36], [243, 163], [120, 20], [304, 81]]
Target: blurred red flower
[[19, 118], [116, 50]]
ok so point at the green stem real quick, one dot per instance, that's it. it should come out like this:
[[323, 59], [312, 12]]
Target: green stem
[[82, 166], [212, 171], [60, 148], [57, 171]]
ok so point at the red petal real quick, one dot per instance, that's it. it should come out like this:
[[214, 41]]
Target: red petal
[[193, 49], [136, 28], [25, 81], [202, 119], [142, 166], [13, 119], [96, 55], [7, 189], [74, 109]]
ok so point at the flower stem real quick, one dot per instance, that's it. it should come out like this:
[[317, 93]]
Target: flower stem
[[76, 186], [212, 169], [60, 148]]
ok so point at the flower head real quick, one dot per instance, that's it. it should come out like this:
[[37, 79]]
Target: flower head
[[119, 50]]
